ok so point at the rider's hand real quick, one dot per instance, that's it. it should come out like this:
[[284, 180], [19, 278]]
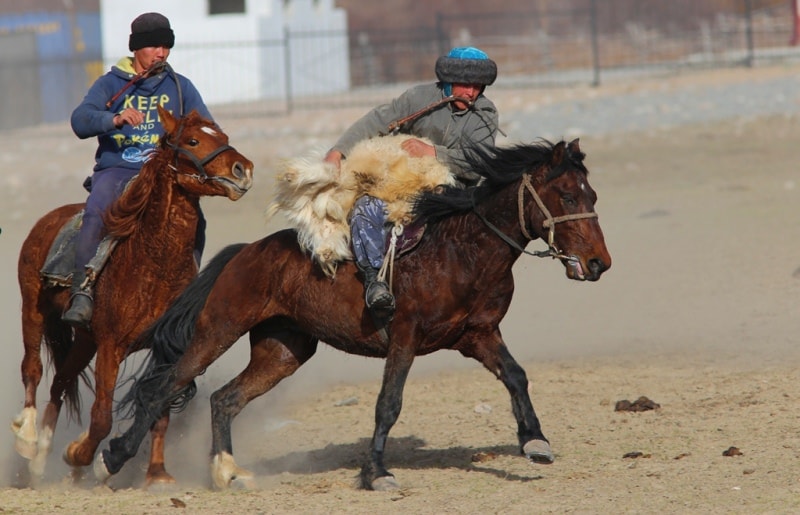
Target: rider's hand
[[418, 148], [130, 116]]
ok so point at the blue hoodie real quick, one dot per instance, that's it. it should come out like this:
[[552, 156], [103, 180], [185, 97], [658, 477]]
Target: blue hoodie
[[130, 146]]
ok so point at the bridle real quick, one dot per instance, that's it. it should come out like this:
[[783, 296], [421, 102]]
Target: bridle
[[549, 223], [199, 163]]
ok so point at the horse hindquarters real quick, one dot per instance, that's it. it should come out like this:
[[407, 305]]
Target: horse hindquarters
[[41, 325]]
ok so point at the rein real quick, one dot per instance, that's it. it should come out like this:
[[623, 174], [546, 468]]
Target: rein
[[549, 223], [156, 67]]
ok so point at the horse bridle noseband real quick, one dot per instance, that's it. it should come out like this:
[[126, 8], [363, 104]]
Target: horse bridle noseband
[[199, 164], [549, 223]]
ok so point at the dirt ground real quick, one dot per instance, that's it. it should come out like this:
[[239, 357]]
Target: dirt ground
[[699, 313]]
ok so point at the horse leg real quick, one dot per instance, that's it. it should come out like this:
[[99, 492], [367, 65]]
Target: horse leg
[[80, 452], [64, 382], [374, 475], [154, 399], [498, 360], [24, 424], [156, 471], [273, 357]]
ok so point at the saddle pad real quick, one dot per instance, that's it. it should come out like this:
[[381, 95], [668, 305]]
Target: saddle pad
[[57, 269], [409, 239], [60, 262]]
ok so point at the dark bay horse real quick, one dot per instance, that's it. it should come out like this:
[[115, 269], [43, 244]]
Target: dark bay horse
[[155, 222], [452, 292]]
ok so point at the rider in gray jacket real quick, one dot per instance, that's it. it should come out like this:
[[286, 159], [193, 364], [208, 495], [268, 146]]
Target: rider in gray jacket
[[454, 114]]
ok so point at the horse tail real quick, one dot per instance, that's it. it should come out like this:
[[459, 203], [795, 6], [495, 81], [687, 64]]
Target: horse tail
[[59, 344], [168, 338]]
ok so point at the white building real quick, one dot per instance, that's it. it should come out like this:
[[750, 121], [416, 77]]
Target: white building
[[267, 49]]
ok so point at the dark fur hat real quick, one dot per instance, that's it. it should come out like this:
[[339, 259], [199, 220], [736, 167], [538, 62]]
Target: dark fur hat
[[466, 65], [151, 29]]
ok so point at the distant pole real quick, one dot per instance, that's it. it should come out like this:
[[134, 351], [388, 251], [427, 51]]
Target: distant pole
[[795, 22], [595, 44]]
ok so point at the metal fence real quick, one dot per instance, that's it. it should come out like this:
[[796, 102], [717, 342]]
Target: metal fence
[[575, 42], [589, 43]]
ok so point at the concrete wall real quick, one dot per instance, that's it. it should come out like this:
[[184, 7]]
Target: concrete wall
[[264, 53], [47, 62]]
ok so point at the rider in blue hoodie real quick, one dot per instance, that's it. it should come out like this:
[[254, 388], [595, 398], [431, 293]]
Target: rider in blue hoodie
[[120, 109]]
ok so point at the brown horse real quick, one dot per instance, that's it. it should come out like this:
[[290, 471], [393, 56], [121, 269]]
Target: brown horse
[[154, 222], [452, 292]]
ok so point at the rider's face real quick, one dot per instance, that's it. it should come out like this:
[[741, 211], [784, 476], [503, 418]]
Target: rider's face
[[468, 91], [145, 57]]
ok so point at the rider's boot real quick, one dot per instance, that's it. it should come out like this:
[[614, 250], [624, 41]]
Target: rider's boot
[[82, 303], [377, 295]]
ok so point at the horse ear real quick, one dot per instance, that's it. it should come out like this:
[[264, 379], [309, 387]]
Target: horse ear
[[558, 153], [574, 148], [167, 120]]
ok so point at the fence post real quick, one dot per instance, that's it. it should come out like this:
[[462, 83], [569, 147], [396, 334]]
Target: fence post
[[748, 6], [595, 45], [442, 39], [287, 59]]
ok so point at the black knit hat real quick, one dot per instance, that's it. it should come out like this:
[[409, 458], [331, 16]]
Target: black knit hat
[[466, 65], [151, 29]]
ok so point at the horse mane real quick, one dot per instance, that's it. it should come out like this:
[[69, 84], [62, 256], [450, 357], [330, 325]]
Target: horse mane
[[499, 167], [122, 218]]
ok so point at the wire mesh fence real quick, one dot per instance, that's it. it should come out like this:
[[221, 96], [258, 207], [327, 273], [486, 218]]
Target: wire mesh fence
[[573, 43]]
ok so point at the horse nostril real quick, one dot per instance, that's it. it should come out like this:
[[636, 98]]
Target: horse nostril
[[238, 170], [596, 266]]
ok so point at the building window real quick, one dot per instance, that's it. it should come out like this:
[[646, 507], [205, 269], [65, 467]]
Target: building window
[[226, 6]]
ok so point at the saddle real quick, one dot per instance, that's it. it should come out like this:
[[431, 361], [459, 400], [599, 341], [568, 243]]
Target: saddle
[[408, 240], [60, 262]]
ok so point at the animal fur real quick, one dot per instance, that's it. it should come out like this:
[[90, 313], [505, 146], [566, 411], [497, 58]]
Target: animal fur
[[316, 200]]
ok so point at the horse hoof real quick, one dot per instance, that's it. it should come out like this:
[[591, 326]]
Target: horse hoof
[[26, 449], [538, 451], [385, 484], [24, 428], [161, 485], [71, 456], [158, 480], [101, 472], [226, 474]]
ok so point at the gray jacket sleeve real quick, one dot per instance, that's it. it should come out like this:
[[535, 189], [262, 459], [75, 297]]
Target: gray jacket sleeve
[[376, 122]]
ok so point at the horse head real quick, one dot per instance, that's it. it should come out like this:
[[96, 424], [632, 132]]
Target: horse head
[[560, 210], [204, 162]]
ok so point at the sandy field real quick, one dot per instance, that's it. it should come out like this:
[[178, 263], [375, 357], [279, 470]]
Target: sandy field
[[699, 313]]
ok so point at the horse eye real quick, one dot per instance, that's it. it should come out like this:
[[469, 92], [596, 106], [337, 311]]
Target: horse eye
[[193, 142], [569, 201]]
